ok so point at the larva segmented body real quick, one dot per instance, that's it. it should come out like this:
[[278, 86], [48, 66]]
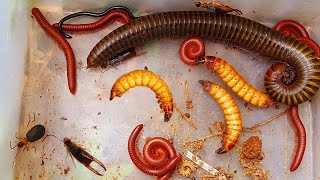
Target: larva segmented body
[[147, 79], [237, 83], [245, 32], [231, 112]]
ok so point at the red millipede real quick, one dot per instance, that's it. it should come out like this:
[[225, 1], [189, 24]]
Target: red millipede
[[300, 134], [120, 13], [191, 49], [157, 151], [63, 44], [116, 15], [290, 26]]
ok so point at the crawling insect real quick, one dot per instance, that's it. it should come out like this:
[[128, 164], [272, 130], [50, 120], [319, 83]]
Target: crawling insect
[[147, 79], [34, 134], [216, 7], [231, 112], [81, 155]]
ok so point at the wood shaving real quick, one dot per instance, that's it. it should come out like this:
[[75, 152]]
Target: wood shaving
[[221, 175]]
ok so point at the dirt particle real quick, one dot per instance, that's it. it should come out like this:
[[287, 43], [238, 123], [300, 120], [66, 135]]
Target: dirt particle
[[66, 170], [64, 118], [146, 68], [99, 113]]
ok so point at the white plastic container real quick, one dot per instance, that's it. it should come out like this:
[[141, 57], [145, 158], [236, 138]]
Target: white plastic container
[[33, 78]]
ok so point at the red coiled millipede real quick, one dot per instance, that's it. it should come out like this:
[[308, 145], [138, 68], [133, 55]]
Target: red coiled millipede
[[191, 49], [289, 27], [166, 168], [63, 44], [300, 134], [116, 15]]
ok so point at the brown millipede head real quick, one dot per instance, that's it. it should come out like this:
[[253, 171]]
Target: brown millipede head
[[281, 72], [90, 63]]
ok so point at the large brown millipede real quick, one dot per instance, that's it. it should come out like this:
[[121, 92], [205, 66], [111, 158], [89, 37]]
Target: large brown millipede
[[210, 25]]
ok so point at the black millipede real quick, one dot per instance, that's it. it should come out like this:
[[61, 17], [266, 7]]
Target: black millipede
[[210, 25]]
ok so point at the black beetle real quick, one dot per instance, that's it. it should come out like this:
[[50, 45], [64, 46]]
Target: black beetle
[[34, 134]]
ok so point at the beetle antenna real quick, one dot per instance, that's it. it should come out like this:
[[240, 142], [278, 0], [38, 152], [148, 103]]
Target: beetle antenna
[[52, 136], [14, 146], [15, 158]]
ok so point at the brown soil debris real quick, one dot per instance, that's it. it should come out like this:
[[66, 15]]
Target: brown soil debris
[[221, 175], [251, 159], [252, 148]]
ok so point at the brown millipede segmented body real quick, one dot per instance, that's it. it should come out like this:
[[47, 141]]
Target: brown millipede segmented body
[[231, 112], [147, 79], [237, 83], [210, 25]]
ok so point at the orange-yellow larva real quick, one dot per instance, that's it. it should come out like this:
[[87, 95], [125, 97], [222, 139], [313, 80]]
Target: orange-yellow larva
[[237, 83], [231, 112], [147, 79]]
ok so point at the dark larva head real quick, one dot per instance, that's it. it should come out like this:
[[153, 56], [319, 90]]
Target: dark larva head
[[167, 116], [35, 133], [221, 150], [206, 84]]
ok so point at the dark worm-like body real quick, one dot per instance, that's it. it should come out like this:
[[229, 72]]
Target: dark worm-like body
[[116, 15], [209, 25], [92, 14]]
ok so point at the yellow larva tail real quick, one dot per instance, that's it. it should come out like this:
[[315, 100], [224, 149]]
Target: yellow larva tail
[[147, 79], [231, 113], [238, 84]]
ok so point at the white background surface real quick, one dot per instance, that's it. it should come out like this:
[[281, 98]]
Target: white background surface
[[35, 78]]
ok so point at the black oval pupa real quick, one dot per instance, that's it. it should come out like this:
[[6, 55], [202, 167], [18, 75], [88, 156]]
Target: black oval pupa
[[35, 133]]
